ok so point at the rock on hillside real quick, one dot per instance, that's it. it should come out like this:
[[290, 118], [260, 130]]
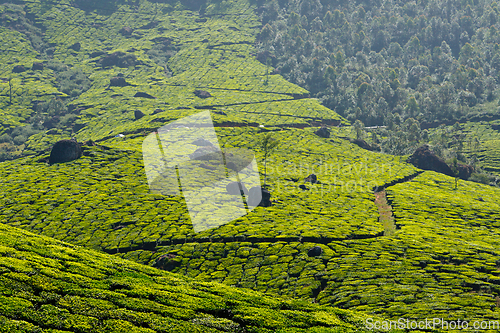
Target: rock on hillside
[[202, 94], [323, 132], [425, 159], [465, 171], [259, 196], [65, 151], [118, 82]]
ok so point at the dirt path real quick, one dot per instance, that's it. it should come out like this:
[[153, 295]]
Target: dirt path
[[384, 209], [385, 213]]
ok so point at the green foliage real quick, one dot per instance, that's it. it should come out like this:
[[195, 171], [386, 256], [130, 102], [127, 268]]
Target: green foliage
[[73, 82], [5, 138], [482, 178], [358, 127], [425, 65], [476, 143]]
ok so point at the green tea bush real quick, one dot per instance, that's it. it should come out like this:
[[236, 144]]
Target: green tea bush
[[8, 151], [14, 17], [20, 134], [161, 52], [47, 285], [26, 131], [56, 66], [102, 200]]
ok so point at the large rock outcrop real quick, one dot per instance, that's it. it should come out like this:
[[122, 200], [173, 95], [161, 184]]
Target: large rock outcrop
[[119, 59], [258, 196], [18, 69], [465, 171], [362, 144], [138, 114], [202, 94], [425, 159], [312, 178], [323, 132], [76, 47], [37, 66], [118, 82], [65, 151], [315, 251], [144, 95], [126, 31]]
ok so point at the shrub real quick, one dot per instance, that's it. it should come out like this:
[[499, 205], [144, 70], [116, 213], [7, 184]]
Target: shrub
[[56, 66], [5, 138], [73, 82], [482, 178], [26, 131], [67, 120], [20, 139]]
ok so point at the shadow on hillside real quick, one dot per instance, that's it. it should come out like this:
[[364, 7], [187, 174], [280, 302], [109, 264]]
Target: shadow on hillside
[[102, 7], [194, 5]]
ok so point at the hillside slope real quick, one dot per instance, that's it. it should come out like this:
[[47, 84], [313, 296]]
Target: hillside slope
[[50, 286], [164, 53]]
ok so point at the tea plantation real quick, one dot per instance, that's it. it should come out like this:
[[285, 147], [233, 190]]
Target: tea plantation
[[78, 239], [488, 137], [50, 286]]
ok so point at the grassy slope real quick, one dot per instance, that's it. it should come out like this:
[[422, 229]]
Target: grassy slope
[[102, 200], [57, 287]]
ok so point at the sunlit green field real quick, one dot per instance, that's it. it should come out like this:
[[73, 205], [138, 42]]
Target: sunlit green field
[[440, 260]]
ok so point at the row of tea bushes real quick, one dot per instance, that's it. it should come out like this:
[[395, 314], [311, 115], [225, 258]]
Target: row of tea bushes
[[488, 152], [386, 275], [470, 212]]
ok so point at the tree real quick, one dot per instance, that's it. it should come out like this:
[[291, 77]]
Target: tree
[[359, 129], [268, 64], [10, 90], [267, 144], [454, 168], [476, 145], [425, 135], [266, 33], [466, 53], [413, 129], [411, 107]]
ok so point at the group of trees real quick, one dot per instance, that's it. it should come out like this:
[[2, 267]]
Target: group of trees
[[381, 60], [403, 65]]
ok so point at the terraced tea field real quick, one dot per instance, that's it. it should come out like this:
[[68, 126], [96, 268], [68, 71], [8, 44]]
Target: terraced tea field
[[488, 150], [109, 206]]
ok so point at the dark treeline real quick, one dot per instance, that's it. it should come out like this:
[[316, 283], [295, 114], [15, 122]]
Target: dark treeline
[[383, 62]]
